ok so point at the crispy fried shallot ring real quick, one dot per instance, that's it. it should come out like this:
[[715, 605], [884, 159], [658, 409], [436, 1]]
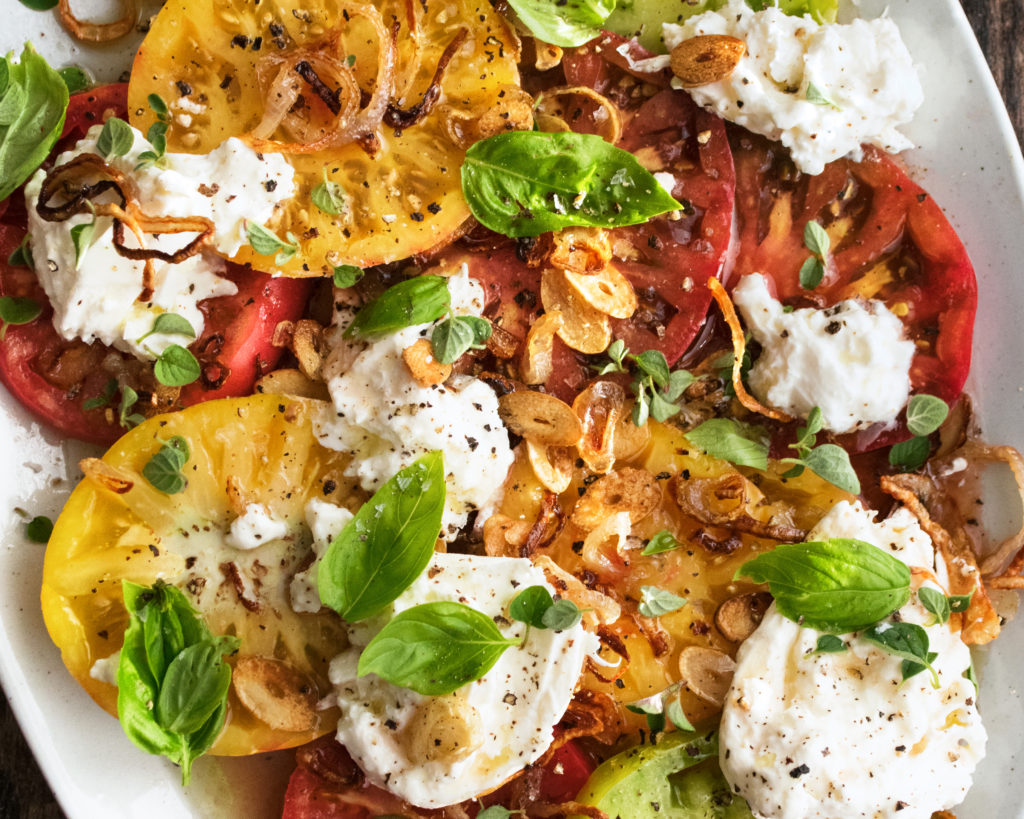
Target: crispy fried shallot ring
[[928, 504], [400, 119], [725, 502], [99, 32], [611, 118], [282, 76], [603, 609], [739, 346]]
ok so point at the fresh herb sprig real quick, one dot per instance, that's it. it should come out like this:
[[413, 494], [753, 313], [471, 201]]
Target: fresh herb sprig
[[659, 707], [656, 387], [827, 461], [817, 241], [942, 606], [457, 335], [157, 134], [164, 469], [22, 255], [172, 681], [346, 275], [116, 138], [536, 607], [908, 641], [329, 196], [17, 310], [267, 243], [925, 414]]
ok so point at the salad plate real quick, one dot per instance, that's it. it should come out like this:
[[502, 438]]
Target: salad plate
[[966, 156]]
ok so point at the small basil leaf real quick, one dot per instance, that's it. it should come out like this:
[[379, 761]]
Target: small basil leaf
[[741, 444], [817, 97], [346, 275], [525, 183], [156, 102], [451, 339], [435, 648], [935, 602], [36, 124], [655, 602], [563, 24], [836, 586], [419, 300], [329, 197], [653, 363], [14, 310], [970, 675], [128, 400], [530, 605], [663, 541], [905, 640], [163, 470], [832, 463], [40, 5], [661, 408], [959, 603], [39, 529], [116, 138], [264, 242], [22, 256], [816, 239], [75, 78], [562, 615], [910, 454], [812, 271], [81, 238], [674, 711], [388, 543], [678, 381], [925, 414], [909, 668], [641, 409], [494, 812], [828, 644], [176, 367], [173, 324]]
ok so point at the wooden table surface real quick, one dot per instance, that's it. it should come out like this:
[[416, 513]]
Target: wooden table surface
[[999, 26]]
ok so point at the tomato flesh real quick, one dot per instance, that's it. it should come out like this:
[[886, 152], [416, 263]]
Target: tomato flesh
[[889, 240]]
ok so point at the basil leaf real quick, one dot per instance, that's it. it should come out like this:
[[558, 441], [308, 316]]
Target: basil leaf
[[910, 454], [176, 367], [828, 644], [11, 103], [925, 414], [388, 543], [156, 102], [525, 183], [678, 381], [329, 197], [173, 324], [663, 541], [741, 444], [530, 605], [561, 23], [346, 275], [105, 398], [116, 138], [935, 602], [35, 126], [836, 586], [832, 463], [75, 78], [816, 96], [22, 255], [265, 242], [163, 470], [653, 363], [816, 239], [674, 711], [40, 5], [970, 675], [39, 529], [812, 271], [641, 409], [911, 668], [419, 300], [655, 602], [661, 408], [563, 614], [126, 418], [616, 352], [905, 640], [959, 603], [14, 310], [494, 812], [455, 336], [172, 680], [435, 648], [81, 238]]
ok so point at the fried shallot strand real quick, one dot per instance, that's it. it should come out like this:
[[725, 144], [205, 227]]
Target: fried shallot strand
[[929, 505], [400, 119], [697, 496], [739, 346], [98, 32]]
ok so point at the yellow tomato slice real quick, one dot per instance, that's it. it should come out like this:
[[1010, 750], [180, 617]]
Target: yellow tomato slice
[[201, 57], [259, 449]]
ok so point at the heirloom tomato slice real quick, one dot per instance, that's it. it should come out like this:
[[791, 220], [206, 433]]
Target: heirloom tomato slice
[[116, 526], [202, 58], [889, 241]]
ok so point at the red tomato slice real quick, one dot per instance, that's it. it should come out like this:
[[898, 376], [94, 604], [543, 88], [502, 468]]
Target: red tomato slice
[[674, 257], [327, 784], [890, 241]]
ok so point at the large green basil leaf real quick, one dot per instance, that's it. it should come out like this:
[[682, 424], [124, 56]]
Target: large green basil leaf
[[836, 586], [172, 681], [565, 23], [733, 441], [33, 107], [435, 648], [419, 300], [526, 183], [388, 543]]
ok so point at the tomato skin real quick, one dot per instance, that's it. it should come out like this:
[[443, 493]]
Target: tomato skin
[[302, 800], [892, 242], [236, 342]]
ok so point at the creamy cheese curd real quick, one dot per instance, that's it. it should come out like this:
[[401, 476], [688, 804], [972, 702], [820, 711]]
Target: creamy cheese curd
[[96, 299], [435, 751], [840, 735], [254, 527], [850, 360], [388, 420], [325, 522], [862, 69]]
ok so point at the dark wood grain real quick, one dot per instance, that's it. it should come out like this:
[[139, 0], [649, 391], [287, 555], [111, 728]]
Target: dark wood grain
[[999, 26]]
